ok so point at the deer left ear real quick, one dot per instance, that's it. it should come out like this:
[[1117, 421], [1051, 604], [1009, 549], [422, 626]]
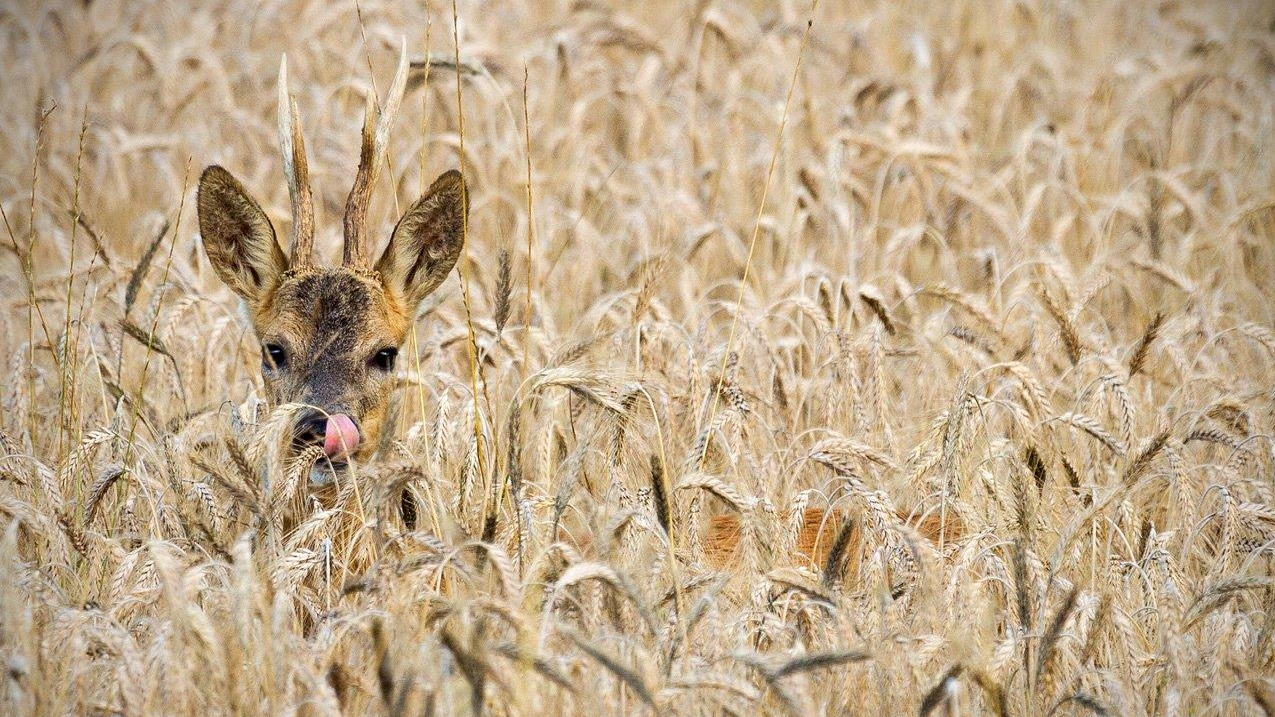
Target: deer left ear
[[238, 236], [427, 241]]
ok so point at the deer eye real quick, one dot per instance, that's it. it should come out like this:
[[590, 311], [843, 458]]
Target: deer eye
[[384, 359], [273, 356]]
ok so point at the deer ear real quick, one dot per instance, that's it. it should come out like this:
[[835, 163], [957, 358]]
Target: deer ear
[[238, 237], [427, 241]]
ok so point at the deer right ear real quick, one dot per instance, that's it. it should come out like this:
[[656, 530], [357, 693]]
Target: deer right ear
[[427, 241], [238, 236]]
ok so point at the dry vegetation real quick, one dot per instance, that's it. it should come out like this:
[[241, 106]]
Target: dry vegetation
[[1012, 269]]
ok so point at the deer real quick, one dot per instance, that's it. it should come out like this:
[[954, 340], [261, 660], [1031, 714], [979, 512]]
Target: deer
[[824, 535], [330, 335]]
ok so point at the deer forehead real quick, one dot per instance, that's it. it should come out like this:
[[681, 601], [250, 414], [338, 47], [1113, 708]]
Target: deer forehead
[[335, 309]]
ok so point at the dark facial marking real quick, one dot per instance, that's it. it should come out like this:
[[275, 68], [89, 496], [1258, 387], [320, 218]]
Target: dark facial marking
[[337, 305]]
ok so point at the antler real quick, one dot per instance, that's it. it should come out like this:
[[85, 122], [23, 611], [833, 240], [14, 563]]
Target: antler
[[292, 145], [371, 153]]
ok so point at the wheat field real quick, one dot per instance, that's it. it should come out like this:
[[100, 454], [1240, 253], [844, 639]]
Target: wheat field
[[1003, 265]]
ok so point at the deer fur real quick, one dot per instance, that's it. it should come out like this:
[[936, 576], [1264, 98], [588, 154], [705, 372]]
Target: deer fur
[[819, 531]]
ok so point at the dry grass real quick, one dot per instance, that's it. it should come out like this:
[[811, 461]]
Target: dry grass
[[1012, 269]]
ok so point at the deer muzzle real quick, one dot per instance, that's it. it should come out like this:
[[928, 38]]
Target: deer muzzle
[[337, 433], [340, 437]]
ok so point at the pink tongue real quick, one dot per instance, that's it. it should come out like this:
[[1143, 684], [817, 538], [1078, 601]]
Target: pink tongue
[[340, 437]]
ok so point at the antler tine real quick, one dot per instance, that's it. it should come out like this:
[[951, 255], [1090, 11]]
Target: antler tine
[[371, 153], [297, 171]]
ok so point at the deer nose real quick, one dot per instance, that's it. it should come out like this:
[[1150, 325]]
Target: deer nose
[[336, 432]]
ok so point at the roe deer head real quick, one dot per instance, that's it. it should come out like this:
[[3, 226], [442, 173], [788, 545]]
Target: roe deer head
[[329, 335]]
